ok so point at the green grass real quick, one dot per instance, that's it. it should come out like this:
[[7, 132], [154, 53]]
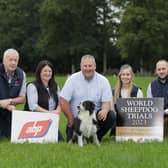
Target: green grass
[[109, 154]]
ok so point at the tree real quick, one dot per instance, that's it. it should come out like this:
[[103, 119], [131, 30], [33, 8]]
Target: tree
[[66, 30], [143, 32], [60, 31], [19, 28], [107, 21], [73, 28]]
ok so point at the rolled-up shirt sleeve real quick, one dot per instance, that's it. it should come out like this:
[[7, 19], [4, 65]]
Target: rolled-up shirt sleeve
[[32, 97], [106, 92], [67, 90]]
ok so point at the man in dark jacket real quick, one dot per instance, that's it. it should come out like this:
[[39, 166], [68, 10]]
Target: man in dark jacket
[[12, 89], [159, 86]]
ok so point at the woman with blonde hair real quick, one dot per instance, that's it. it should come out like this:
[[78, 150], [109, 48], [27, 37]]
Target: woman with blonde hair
[[125, 86]]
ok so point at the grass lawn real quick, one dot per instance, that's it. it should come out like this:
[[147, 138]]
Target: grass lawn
[[109, 154]]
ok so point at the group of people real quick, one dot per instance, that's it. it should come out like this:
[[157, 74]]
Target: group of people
[[44, 95]]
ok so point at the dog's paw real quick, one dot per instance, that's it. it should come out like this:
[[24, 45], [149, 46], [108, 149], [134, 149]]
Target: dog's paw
[[80, 145], [98, 144]]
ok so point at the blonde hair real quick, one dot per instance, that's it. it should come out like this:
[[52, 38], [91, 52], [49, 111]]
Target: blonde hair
[[118, 86]]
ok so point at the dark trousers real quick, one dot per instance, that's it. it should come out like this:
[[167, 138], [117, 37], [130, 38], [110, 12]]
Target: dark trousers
[[5, 128], [103, 126], [60, 137]]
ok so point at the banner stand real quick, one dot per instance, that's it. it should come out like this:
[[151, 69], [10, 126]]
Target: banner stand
[[34, 127]]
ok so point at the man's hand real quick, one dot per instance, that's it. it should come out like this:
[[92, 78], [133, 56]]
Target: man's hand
[[5, 103], [10, 107], [102, 115]]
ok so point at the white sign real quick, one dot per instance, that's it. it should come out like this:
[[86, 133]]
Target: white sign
[[139, 119], [34, 127]]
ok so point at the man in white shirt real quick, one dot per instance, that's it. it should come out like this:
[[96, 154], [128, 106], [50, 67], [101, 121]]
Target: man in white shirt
[[87, 84]]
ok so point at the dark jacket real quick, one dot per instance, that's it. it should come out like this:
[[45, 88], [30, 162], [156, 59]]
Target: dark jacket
[[134, 91], [8, 90], [160, 89]]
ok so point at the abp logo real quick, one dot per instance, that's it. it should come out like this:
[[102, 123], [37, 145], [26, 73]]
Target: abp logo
[[34, 129]]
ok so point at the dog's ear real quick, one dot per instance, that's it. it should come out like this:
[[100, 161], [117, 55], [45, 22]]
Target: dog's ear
[[92, 106]]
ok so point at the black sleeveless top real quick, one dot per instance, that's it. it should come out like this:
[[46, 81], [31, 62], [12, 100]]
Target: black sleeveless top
[[134, 91], [43, 97]]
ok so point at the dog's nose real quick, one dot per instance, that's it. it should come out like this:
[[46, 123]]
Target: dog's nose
[[78, 107]]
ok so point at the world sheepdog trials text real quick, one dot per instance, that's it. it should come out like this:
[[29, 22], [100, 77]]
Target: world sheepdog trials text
[[140, 112], [139, 109]]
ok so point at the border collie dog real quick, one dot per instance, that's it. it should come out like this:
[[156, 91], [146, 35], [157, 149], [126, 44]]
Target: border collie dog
[[85, 125]]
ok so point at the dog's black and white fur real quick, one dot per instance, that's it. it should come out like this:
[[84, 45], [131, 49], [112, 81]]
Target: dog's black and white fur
[[85, 125]]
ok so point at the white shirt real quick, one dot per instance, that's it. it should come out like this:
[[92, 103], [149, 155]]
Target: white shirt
[[32, 98], [124, 93], [77, 89], [149, 91]]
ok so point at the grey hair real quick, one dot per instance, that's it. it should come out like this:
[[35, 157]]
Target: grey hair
[[162, 60], [88, 56], [9, 52]]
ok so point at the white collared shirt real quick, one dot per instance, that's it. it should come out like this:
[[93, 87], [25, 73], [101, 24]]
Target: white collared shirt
[[32, 98], [77, 89]]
